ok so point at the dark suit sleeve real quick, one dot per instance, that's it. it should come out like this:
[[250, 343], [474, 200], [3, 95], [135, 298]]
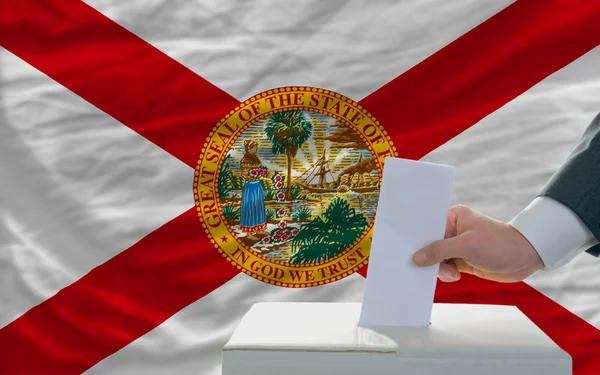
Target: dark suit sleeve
[[577, 183]]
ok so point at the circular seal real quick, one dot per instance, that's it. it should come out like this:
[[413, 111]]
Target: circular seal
[[287, 185]]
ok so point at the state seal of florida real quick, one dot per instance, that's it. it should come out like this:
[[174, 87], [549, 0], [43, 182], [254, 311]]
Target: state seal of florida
[[287, 185]]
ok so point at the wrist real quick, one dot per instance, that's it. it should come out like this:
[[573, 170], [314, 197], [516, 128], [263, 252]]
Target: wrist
[[532, 259], [554, 231]]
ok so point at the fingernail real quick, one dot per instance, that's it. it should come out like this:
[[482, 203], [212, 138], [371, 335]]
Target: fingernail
[[419, 258], [447, 274]]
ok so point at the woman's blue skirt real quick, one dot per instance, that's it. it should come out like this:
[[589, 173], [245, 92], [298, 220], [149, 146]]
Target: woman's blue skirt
[[253, 215]]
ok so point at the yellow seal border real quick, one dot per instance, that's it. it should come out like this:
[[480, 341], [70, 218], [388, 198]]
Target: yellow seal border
[[218, 144]]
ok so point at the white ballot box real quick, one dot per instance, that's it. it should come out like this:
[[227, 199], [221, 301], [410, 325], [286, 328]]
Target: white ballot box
[[324, 339]]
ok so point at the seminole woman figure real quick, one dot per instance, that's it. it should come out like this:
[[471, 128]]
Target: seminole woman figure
[[253, 215]]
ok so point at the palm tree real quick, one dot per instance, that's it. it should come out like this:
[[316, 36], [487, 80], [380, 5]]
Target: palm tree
[[287, 132]]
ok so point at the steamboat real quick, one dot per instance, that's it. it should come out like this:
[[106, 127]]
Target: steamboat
[[319, 179]]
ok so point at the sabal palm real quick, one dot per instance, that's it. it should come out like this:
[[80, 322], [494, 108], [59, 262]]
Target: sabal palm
[[287, 132]]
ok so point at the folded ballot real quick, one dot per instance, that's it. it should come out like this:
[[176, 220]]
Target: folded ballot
[[411, 213]]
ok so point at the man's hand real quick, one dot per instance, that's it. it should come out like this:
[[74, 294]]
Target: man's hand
[[482, 246]]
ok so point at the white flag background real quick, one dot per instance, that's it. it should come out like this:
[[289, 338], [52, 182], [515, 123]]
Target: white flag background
[[77, 187]]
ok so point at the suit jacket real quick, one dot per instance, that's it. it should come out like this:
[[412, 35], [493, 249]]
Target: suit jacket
[[577, 183]]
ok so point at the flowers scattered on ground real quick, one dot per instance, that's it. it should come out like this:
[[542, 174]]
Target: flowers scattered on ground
[[282, 233]]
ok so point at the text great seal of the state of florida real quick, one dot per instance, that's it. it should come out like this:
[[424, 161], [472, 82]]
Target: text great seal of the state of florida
[[287, 185]]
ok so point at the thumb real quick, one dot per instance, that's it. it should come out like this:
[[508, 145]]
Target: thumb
[[438, 251]]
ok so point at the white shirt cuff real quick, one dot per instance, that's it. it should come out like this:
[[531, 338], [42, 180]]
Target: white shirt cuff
[[556, 232]]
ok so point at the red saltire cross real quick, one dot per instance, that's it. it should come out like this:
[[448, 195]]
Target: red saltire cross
[[132, 81]]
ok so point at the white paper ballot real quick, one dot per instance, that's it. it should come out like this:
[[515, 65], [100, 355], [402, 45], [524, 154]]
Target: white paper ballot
[[411, 213]]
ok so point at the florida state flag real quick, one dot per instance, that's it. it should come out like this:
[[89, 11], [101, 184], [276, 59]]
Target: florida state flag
[[166, 164]]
